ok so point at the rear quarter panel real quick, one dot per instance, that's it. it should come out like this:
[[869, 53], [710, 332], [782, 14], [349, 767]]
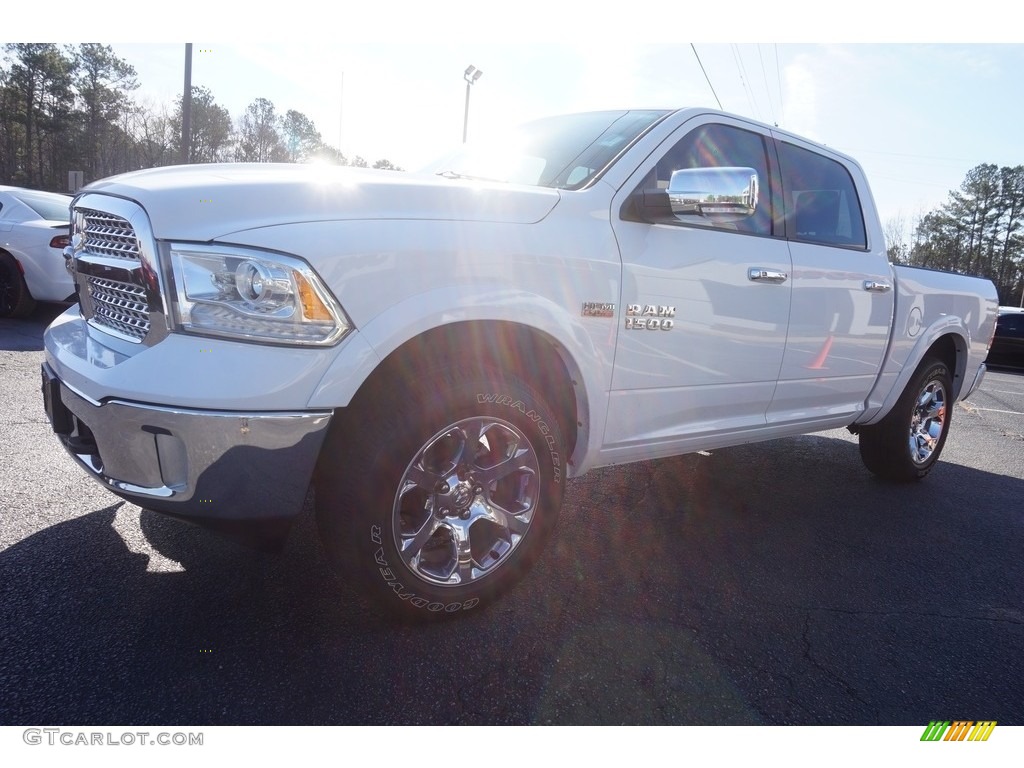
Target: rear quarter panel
[[930, 305]]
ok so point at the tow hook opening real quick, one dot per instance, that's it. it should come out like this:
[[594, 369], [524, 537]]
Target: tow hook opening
[[82, 442]]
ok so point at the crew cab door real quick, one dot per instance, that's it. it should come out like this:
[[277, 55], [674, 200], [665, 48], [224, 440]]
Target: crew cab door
[[842, 285], [705, 298]]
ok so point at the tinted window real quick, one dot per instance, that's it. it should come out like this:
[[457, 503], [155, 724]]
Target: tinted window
[[720, 146], [821, 199], [47, 205], [1010, 325]]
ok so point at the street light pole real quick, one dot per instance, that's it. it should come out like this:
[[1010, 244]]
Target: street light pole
[[186, 109], [471, 75]]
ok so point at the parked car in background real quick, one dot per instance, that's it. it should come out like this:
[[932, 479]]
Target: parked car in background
[[33, 233], [1007, 349]]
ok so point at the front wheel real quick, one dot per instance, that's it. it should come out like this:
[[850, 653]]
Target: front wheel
[[905, 445], [436, 501]]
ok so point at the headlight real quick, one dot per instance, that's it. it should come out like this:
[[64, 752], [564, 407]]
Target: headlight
[[254, 295]]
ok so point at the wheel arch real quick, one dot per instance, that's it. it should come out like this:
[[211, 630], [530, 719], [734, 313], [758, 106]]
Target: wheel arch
[[17, 299], [5, 254], [951, 349], [946, 342], [530, 352]]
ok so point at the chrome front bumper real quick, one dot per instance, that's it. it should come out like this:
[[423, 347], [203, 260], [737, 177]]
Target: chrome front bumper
[[222, 469]]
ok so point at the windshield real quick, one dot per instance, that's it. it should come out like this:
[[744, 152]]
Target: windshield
[[48, 205], [563, 152]]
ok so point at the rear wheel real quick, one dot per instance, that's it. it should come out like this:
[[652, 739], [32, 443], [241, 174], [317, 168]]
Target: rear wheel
[[906, 444], [15, 299], [438, 501]]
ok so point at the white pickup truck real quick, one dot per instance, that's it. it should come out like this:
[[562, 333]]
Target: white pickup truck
[[438, 353]]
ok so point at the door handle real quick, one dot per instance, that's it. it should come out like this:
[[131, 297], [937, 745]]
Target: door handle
[[876, 287], [759, 275]]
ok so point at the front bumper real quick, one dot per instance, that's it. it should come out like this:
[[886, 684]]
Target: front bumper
[[233, 471]]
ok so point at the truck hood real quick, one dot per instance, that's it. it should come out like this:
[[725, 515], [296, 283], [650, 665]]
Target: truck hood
[[207, 202]]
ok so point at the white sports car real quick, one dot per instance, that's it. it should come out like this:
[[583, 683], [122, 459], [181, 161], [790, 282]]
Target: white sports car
[[33, 233]]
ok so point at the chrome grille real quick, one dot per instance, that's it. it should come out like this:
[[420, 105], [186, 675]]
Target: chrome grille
[[119, 306], [113, 257], [107, 235]]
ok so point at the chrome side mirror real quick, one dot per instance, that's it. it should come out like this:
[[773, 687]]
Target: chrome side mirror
[[717, 194]]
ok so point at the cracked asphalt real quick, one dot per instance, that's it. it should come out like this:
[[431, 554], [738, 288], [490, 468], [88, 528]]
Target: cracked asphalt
[[775, 583]]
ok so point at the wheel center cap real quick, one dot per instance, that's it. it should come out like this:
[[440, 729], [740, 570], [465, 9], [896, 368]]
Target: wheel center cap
[[462, 496]]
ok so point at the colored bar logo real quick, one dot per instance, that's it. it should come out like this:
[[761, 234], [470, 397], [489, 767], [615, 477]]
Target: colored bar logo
[[958, 730]]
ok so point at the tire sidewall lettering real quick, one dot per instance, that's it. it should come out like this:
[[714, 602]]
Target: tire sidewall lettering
[[407, 595], [542, 426]]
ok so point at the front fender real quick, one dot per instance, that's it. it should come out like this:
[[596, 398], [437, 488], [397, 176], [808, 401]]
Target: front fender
[[586, 345], [400, 278]]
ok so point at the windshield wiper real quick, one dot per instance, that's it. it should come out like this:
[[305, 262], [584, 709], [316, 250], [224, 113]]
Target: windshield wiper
[[457, 175]]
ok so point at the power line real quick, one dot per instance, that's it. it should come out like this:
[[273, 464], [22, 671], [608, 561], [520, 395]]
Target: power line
[[741, 71], [904, 154], [706, 76], [778, 77], [767, 90]]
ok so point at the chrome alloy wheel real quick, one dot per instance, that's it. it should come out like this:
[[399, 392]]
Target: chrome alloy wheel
[[466, 501], [927, 421]]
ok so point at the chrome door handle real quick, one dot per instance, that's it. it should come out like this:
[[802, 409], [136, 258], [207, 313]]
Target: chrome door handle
[[876, 287], [759, 275]]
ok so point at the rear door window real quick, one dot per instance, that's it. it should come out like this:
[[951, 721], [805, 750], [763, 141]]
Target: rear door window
[[821, 199]]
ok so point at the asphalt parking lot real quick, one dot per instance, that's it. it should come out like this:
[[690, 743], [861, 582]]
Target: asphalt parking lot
[[776, 583]]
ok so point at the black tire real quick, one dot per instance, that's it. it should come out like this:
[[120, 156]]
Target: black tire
[[15, 299], [398, 489], [906, 444]]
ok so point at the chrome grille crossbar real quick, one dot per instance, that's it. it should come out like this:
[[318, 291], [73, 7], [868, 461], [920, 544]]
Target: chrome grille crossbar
[[107, 235], [121, 306]]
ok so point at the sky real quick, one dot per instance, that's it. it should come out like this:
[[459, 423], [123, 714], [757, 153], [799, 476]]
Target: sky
[[387, 82]]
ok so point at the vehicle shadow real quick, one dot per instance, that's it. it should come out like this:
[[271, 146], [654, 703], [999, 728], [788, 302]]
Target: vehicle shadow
[[774, 583], [26, 334]]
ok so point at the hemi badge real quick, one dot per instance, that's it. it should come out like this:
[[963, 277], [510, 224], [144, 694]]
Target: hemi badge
[[598, 309]]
